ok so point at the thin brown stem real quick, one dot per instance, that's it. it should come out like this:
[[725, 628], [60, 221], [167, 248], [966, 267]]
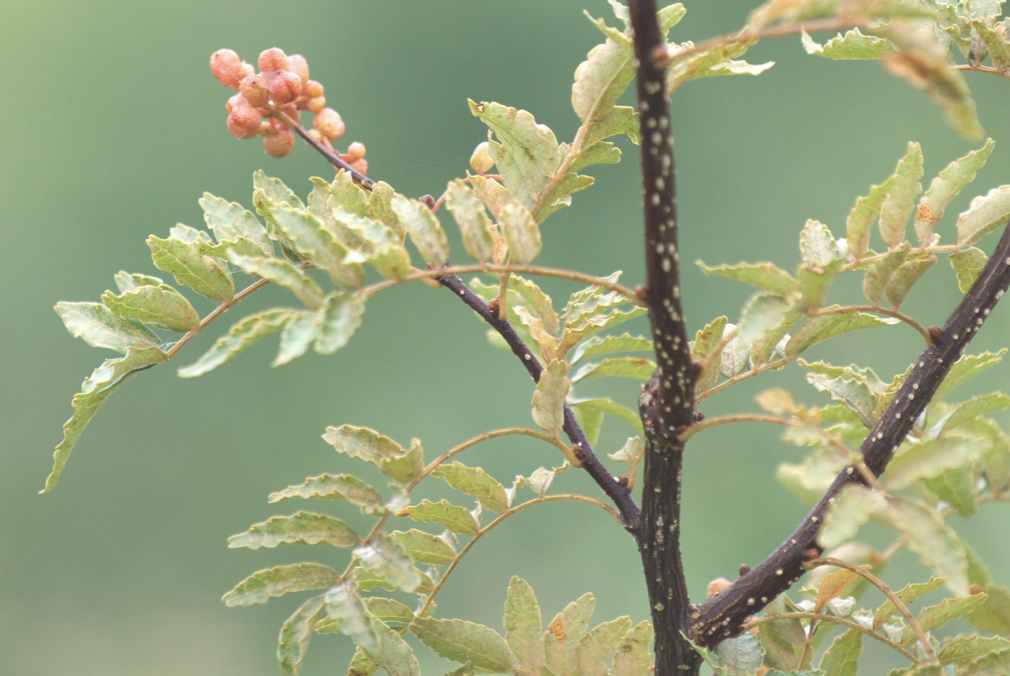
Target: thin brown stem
[[330, 156]]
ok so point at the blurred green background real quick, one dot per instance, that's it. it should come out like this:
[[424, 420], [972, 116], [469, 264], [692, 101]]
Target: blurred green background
[[115, 128]]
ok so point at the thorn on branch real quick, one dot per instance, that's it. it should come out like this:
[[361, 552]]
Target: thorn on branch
[[744, 569], [935, 334]]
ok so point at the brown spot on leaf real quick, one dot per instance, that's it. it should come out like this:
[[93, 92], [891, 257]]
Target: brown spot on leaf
[[557, 629]]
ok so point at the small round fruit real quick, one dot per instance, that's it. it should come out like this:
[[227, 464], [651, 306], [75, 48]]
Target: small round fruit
[[279, 144], [481, 161], [329, 123], [355, 151], [360, 164], [273, 59], [226, 66], [299, 66], [254, 89], [284, 86], [244, 122], [316, 105], [313, 89]]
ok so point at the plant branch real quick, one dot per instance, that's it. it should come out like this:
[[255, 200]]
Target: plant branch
[[330, 156], [724, 615]]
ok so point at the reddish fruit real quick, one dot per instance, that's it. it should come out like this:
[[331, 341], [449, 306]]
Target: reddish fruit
[[267, 128], [293, 113], [329, 123], [315, 133], [299, 66], [360, 165], [313, 89], [254, 89], [273, 59], [248, 69], [284, 86], [355, 151], [481, 161], [279, 144], [244, 122], [316, 105], [237, 101], [226, 66], [717, 585]]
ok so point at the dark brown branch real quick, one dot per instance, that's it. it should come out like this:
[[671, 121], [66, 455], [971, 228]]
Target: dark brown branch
[[618, 493], [724, 615], [328, 154], [667, 401]]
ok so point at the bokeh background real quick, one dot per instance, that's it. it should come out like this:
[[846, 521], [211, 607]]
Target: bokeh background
[[114, 128]]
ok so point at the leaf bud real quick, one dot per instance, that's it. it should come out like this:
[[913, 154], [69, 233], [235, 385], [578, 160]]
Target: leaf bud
[[280, 143], [244, 122], [254, 89], [481, 161], [313, 89], [316, 105], [716, 586], [330, 124], [360, 165], [226, 66], [284, 86], [355, 151], [299, 66], [273, 59]]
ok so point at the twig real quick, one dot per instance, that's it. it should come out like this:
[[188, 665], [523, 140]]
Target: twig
[[330, 156], [879, 310]]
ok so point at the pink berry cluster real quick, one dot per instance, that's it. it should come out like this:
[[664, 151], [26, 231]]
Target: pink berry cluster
[[281, 87]]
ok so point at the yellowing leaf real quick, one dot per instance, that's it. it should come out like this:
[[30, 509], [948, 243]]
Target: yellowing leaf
[[549, 397]]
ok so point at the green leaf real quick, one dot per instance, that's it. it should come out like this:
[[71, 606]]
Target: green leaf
[[634, 656], [596, 346], [393, 654], [974, 408], [527, 153], [423, 228], [475, 482], [907, 595], [998, 50], [380, 246], [946, 187], [935, 543], [602, 78], [472, 220], [779, 653], [561, 642], [424, 547], [310, 238], [841, 657], [934, 617], [852, 45], [303, 528], [239, 338], [186, 261], [741, 656], [587, 324], [957, 488], [523, 625], [897, 206], [905, 277], [340, 318], [296, 336], [382, 556], [230, 221], [492, 193], [293, 641], [994, 615], [537, 301], [264, 585], [705, 341], [344, 606], [455, 518], [715, 61], [160, 306], [462, 641], [367, 581], [335, 487], [860, 221], [283, 273], [967, 367], [964, 649], [380, 208], [811, 478], [361, 664], [627, 367], [549, 397], [98, 326], [968, 264], [817, 245], [818, 329], [522, 234], [596, 647], [929, 459], [395, 462], [388, 610], [984, 215], [763, 275], [879, 273], [851, 508], [94, 391], [589, 413], [761, 315], [126, 281]]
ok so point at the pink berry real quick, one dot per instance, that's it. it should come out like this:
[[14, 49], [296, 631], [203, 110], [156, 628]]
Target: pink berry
[[355, 151], [313, 89], [273, 59], [316, 104], [360, 164], [279, 144], [329, 123], [293, 113], [236, 101], [226, 66], [254, 89], [244, 122], [299, 66], [284, 86]]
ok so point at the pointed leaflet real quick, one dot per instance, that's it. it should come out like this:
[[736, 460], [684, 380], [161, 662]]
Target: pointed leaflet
[[126, 281], [860, 221], [967, 367], [475, 482], [739, 656], [897, 206], [472, 220], [98, 326], [368, 581], [381, 246], [946, 187], [965, 649], [705, 341], [956, 487], [521, 232], [230, 221], [455, 518], [383, 557], [763, 275], [596, 346], [523, 626], [905, 277], [968, 264], [537, 301], [832, 586], [239, 338], [561, 642], [344, 606], [761, 314], [380, 208], [880, 271], [817, 329], [603, 77], [984, 215], [935, 543], [335, 487], [934, 617], [264, 585], [423, 228], [160, 306], [424, 547], [303, 528], [388, 610], [527, 153], [340, 317], [549, 397], [462, 641], [293, 641], [316, 244], [590, 415], [851, 508], [94, 391], [324, 205], [361, 664], [908, 594], [993, 616], [185, 260], [634, 657], [297, 335], [852, 45], [283, 273], [596, 647], [716, 61], [393, 654], [360, 442], [929, 459], [974, 408], [841, 657], [628, 367]]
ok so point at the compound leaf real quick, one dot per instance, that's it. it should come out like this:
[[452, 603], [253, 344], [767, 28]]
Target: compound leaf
[[455, 518], [239, 338], [476, 482], [462, 642], [98, 326]]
